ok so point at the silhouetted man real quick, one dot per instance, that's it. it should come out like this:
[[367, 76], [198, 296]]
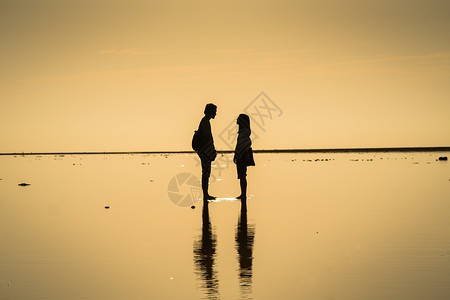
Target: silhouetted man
[[207, 153]]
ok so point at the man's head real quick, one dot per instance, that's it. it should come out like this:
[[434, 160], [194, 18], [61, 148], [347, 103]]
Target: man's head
[[210, 110]]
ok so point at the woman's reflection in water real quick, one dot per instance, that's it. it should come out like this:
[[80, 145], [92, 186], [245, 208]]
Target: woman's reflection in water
[[245, 236], [204, 256]]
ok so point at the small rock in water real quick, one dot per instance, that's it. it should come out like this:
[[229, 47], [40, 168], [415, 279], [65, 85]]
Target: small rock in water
[[24, 184], [443, 158], [193, 206]]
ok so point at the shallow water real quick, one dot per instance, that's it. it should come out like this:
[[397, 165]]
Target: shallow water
[[316, 226]]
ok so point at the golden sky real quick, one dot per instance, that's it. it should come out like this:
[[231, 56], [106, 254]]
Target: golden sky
[[135, 75]]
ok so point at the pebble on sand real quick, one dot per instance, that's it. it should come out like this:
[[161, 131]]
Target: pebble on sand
[[24, 184]]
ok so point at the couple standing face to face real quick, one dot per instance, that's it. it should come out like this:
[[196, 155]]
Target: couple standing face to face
[[243, 150]]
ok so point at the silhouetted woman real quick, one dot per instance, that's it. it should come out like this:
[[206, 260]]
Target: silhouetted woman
[[243, 154]]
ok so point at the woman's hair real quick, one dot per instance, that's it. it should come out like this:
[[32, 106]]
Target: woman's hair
[[244, 123], [210, 108]]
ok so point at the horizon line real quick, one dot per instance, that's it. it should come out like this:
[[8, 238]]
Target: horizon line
[[323, 150]]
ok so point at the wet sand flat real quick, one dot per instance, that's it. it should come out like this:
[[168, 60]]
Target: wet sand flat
[[316, 226]]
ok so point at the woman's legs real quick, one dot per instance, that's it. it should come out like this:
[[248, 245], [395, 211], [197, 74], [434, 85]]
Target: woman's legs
[[242, 176], [243, 188]]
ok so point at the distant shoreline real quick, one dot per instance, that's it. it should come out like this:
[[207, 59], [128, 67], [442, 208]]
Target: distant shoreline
[[338, 150]]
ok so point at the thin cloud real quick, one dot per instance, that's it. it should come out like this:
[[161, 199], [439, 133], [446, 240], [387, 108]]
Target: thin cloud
[[441, 56], [229, 51], [130, 51], [260, 53]]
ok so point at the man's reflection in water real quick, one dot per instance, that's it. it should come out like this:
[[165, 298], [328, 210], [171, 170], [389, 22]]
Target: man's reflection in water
[[204, 255], [245, 236]]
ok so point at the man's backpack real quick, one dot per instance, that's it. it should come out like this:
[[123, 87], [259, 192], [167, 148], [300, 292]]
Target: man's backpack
[[197, 141]]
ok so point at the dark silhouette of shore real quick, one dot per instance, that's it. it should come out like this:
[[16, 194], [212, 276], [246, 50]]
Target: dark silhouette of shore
[[336, 150]]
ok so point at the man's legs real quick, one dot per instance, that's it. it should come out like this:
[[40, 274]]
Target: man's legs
[[206, 172]]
